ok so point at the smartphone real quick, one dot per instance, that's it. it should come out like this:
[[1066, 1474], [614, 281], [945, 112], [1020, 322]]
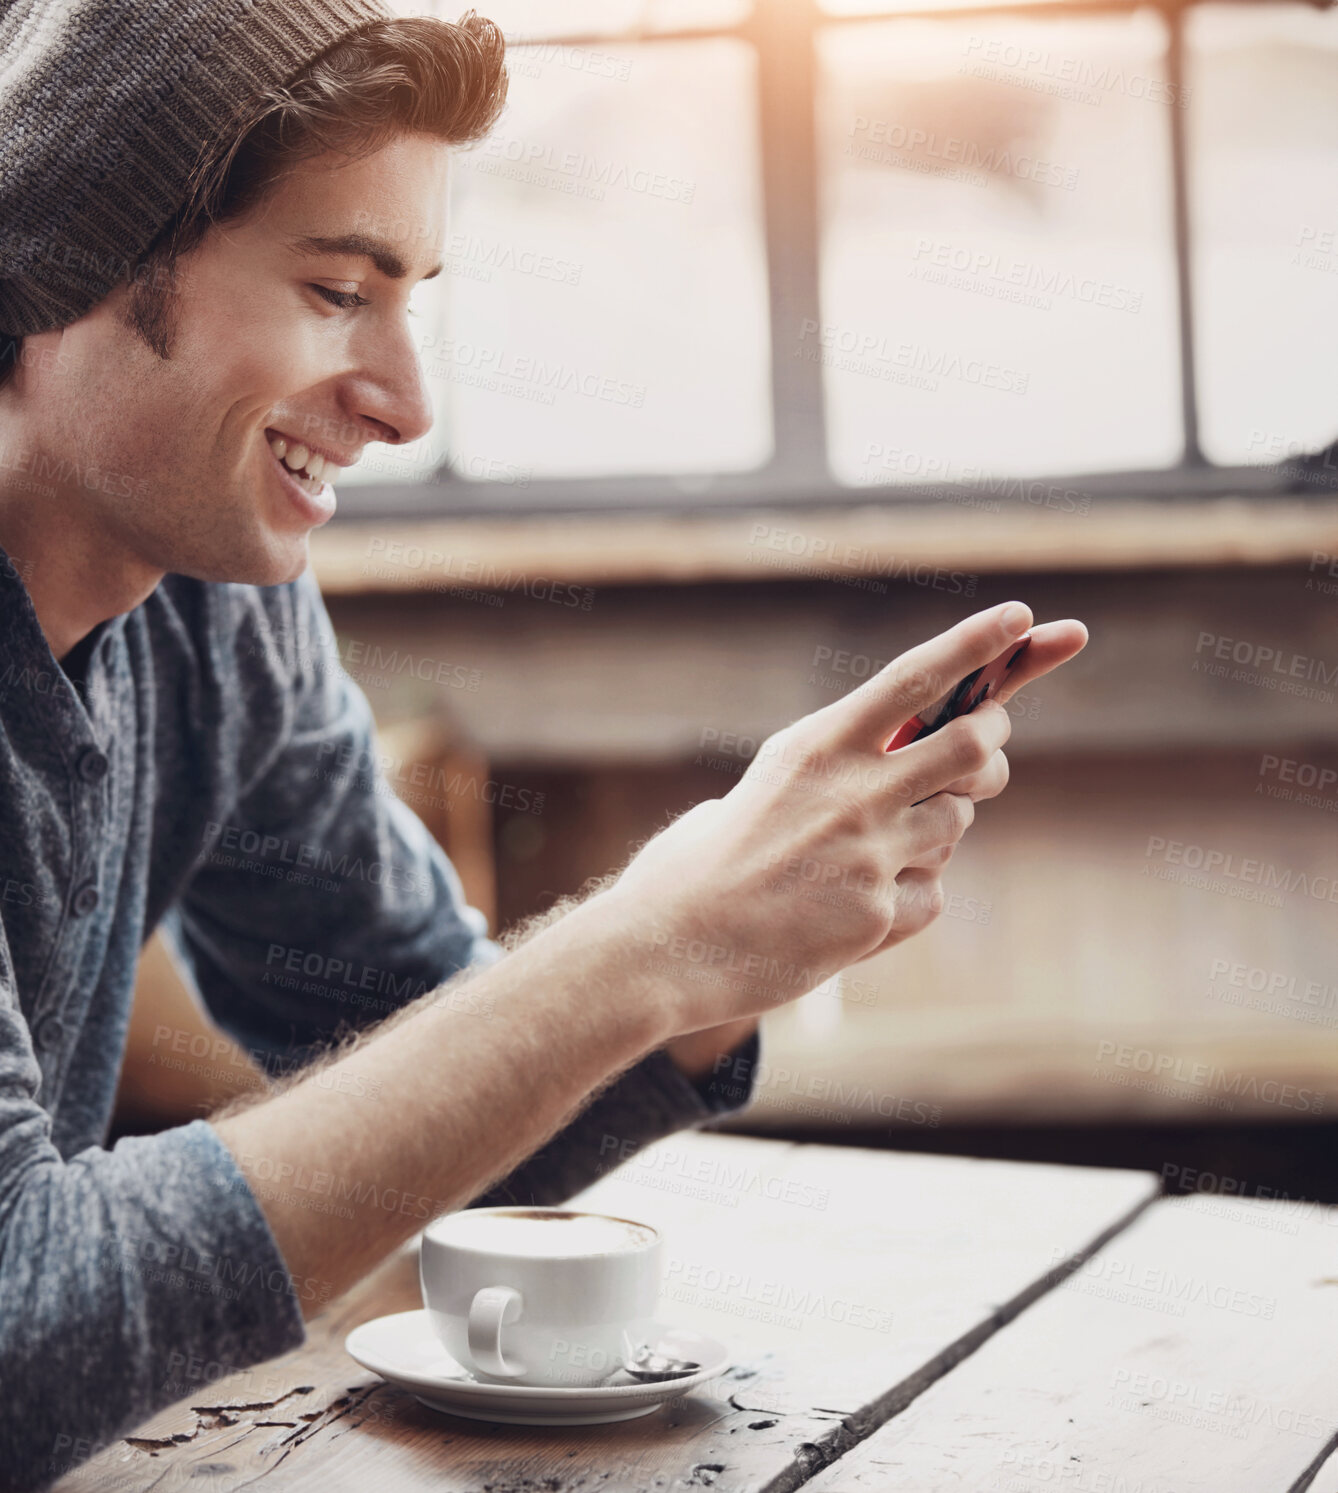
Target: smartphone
[[963, 698]]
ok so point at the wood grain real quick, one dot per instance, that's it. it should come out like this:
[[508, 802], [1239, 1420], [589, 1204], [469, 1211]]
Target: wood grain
[[1192, 1355], [795, 1256]]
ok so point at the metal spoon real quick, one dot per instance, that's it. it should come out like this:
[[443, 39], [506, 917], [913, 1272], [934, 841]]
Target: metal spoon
[[650, 1366]]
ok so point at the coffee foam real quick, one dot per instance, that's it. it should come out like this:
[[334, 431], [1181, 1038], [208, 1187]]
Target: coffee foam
[[543, 1235]]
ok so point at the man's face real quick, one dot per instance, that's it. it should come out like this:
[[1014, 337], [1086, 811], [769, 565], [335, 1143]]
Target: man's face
[[189, 481]]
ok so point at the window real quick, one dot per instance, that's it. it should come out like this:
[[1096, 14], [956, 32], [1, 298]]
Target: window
[[731, 251]]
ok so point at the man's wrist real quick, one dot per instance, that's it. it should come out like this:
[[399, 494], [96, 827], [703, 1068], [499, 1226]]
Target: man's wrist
[[696, 1054], [623, 983]]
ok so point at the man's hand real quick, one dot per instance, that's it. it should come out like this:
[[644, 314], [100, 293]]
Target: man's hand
[[829, 849], [820, 856]]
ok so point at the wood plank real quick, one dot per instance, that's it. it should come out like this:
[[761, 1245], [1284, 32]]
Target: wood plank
[[1192, 1355], [844, 1281], [622, 548]]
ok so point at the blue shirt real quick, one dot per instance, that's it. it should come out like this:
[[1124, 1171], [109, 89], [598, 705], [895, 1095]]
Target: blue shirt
[[202, 762]]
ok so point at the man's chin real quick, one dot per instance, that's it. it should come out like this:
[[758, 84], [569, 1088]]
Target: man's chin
[[282, 559], [287, 562]]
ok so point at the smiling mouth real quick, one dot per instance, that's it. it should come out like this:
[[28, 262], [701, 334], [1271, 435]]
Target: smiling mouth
[[309, 470]]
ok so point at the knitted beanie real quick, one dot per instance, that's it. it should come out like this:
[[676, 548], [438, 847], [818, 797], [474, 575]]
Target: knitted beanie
[[105, 106]]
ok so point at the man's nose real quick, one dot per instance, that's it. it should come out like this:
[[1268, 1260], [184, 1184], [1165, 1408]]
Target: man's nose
[[392, 392]]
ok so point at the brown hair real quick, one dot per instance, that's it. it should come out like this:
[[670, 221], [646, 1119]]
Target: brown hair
[[410, 75]]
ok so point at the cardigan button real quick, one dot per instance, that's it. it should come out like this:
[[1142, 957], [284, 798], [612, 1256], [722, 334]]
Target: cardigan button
[[85, 899], [92, 766], [50, 1032]]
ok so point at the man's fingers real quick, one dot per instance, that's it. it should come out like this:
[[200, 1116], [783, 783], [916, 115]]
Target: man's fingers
[[989, 782], [1052, 644], [941, 820], [870, 715], [919, 902], [931, 860], [961, 749]]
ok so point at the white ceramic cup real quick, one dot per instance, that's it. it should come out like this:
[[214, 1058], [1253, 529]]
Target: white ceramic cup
[[540, 1309]]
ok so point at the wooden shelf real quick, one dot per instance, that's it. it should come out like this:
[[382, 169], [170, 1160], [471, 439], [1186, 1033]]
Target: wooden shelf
[[417, 555]]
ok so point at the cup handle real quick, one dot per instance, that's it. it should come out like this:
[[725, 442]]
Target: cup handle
[[491, 1309]]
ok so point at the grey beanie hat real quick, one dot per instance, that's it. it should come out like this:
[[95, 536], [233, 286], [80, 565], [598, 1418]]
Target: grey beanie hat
[[105, 106]]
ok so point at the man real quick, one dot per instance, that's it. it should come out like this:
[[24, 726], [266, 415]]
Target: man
[[213, 218]]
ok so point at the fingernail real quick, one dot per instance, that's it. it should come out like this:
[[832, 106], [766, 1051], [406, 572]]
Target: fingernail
[[1015, 616]]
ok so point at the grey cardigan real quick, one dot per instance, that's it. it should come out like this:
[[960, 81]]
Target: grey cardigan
[[207, 765]]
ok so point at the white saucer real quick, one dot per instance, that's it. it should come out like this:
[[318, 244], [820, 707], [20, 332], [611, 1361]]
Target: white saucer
[[404, 1349]]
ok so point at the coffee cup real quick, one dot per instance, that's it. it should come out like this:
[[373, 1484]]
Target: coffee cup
[[540, 1296]]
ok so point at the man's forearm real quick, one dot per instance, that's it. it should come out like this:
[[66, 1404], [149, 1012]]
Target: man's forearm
[[449, 1096]]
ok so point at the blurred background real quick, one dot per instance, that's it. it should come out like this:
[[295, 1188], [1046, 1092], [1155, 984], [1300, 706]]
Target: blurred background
[[776, 335]]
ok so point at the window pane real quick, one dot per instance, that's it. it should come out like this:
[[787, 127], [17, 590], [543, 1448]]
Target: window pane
[[603, 17], [604, 305], [1264, 165], [885, 7], [998, 268]]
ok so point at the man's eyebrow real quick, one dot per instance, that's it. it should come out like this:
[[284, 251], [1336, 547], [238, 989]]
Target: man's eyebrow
[[364, 245]]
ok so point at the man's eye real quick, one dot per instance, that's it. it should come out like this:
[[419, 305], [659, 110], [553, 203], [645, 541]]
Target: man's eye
[[344, 299]]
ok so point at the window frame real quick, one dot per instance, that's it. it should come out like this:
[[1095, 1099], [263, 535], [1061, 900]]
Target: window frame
[[784, 36]]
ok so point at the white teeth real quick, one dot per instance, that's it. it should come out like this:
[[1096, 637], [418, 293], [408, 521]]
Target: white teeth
[[297, 457]]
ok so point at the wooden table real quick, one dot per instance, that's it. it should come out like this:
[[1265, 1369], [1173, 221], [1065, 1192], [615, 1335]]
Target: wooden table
[[897, 1321]]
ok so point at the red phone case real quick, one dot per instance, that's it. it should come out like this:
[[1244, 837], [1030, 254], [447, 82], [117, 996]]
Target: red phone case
[[977, 687]]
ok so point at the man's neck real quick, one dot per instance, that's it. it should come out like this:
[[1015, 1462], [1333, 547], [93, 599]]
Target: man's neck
[[77, 574]]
